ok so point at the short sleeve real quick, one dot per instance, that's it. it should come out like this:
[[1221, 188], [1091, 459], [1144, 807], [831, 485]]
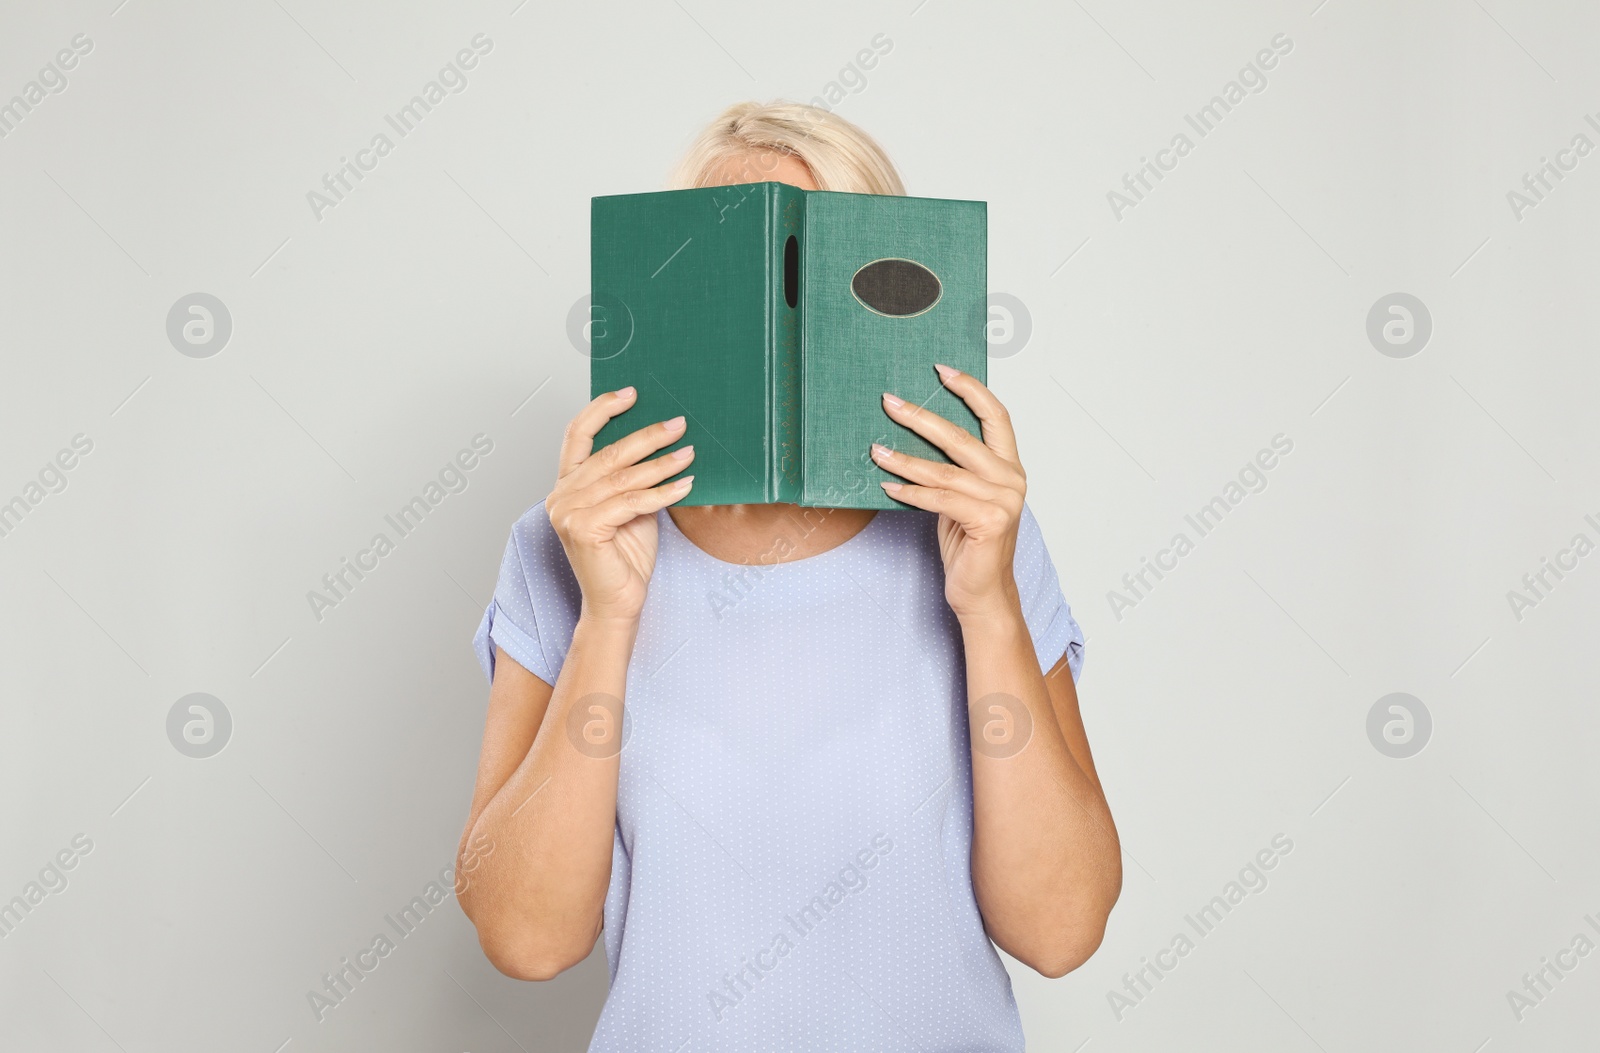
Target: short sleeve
[[1050, 622], [536, 601]]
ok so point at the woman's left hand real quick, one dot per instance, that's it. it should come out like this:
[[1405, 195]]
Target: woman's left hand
[[978, 497]]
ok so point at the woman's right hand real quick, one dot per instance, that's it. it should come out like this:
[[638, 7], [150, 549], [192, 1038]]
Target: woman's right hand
[[604, 504]]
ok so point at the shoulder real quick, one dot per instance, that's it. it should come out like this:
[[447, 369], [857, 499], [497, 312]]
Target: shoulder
[[1044, 604], [1028, 527], [535, 520], [535, 569], [1032, 558], [533, 546], [536, 600]]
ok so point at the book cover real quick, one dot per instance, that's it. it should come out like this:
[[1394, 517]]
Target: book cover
[[774, 318]]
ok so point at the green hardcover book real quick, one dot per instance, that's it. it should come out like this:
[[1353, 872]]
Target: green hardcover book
[[774, 318]]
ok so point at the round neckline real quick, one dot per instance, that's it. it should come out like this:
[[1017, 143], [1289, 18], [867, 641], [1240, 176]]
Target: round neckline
[[672, 525]]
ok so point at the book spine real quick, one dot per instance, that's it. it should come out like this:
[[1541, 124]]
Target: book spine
[[787, 221]]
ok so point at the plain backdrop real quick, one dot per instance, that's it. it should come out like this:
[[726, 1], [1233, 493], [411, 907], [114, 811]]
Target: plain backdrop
[[1148, 349]]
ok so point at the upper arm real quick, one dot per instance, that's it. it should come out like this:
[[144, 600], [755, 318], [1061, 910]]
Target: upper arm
[[521, 644], [517, 704], [1056, 635], [1045, 609], [1064, 702]]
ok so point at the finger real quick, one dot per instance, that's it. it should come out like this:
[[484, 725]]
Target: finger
[[937, 474], [607, 516], [998, 433], [957, 442], [981, 519], [640, 476], [578, 443], [629, 449]]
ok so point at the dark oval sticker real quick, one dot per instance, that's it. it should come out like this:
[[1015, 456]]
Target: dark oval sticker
[[895, 287]]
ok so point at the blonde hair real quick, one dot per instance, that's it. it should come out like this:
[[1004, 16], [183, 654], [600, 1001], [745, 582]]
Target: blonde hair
[[840, 155]]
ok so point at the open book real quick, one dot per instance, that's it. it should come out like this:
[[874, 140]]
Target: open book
[[774, 318]]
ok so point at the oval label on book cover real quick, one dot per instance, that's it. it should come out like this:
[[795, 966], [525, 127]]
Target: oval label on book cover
[[897, 288]]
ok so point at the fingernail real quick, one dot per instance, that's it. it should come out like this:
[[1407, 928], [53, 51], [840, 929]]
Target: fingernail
[[880, 450], [675, 424], [625, 393], [683, 484], [893, 488], [683, 453], [893, 402], [945, 371]]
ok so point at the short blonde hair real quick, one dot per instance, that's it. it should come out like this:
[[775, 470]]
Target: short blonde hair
[[840, 155]]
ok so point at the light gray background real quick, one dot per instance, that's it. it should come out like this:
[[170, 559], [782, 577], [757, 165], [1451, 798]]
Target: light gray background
[[1167, 347]]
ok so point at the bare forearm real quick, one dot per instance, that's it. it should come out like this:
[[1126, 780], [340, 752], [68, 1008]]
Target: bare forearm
[[537, 897], [1046, 864]]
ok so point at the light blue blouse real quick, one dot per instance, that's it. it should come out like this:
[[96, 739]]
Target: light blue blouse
[[791, 864]]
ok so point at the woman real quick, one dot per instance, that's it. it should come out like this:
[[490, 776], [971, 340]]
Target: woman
[[842, 769]]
